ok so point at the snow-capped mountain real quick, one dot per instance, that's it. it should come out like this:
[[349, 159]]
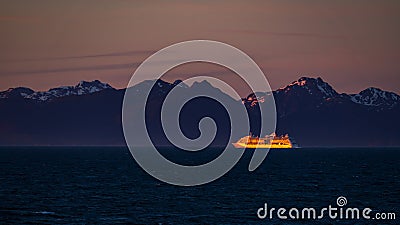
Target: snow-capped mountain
[[82, 88], [313, 86], [304, 94], [16, 92], [376, 97], [309, 109], [316, 91]]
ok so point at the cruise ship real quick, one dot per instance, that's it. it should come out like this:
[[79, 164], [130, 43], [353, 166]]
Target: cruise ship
[[269, 141]]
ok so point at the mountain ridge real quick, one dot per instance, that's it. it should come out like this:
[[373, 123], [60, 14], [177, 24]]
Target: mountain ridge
[[82, 88], [371, 96], [308, 109]]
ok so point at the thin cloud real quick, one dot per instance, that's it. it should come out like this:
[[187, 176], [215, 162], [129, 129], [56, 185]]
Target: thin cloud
[[288, 34], [74, 69], [115, 66], [112, 54]]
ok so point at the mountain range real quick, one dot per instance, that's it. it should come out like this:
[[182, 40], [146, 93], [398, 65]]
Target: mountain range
[[308, 109]]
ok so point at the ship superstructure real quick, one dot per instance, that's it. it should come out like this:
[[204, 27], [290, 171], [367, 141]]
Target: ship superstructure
[[269, 141]]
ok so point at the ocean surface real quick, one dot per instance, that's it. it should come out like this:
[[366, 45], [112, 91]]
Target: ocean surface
[[106, 186]]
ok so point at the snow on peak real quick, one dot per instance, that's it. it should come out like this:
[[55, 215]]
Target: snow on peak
[[92, 86], [301, 82], [314, 86], [82, 88], [16, 92], [375, 97]]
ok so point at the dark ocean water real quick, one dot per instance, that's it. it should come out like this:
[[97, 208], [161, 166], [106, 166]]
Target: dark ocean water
[[106, 186]]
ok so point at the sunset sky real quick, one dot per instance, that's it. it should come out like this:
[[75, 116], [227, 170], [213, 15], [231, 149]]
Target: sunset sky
[[350, 44]]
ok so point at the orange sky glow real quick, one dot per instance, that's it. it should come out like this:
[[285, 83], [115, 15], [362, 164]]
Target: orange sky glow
[[350, 44]]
